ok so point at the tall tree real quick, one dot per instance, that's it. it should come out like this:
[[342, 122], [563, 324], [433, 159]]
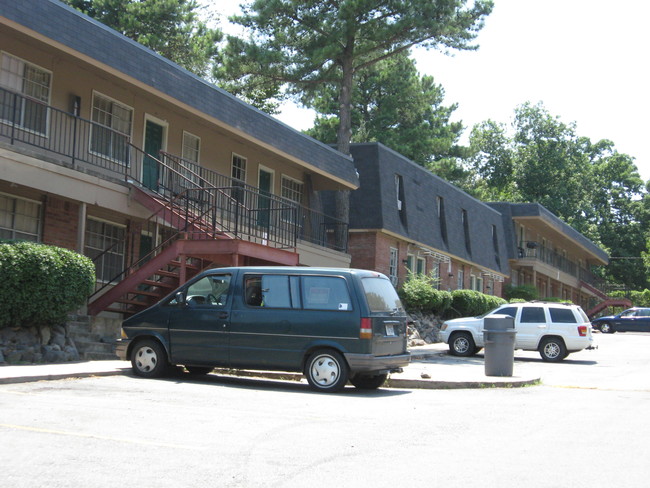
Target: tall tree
[[169, 27], [304, 44], [394, 105]]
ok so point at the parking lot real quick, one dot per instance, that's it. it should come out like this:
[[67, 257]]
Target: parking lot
[[240, 432]]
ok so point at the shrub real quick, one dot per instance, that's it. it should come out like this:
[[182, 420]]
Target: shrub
[[40, 285], [521, 292], [419, 294], [470, 303]]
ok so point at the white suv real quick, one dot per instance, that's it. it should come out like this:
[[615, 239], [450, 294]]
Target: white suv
[[553, 329]]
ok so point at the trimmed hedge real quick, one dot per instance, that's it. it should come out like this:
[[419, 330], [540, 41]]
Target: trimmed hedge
[[419, 294], [521, 292], [40, 284]]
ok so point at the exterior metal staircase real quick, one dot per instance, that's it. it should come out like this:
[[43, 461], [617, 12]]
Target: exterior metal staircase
[[198, 228]]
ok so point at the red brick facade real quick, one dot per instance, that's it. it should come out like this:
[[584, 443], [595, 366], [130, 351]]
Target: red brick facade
[[60, 223]]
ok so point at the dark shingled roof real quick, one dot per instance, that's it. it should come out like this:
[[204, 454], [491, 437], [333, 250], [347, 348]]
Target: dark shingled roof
[[513, 210], [67, 26], [374, 206]]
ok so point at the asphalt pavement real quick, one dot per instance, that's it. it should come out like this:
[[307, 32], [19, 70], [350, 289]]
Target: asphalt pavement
[[431, 367]]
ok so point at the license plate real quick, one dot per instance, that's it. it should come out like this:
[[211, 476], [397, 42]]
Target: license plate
[[390, 330]]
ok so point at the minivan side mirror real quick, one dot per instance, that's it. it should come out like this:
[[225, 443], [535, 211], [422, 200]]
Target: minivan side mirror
[[180, 299]]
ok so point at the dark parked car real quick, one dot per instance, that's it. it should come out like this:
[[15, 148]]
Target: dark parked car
[[631, 320]]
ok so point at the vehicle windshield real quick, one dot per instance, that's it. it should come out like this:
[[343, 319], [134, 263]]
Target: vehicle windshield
[[488, 313], [381, 295]]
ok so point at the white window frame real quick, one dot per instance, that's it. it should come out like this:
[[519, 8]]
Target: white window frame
[[421, 266], [191, 143], [100, 269], [392, 265], [13, 76], [240, 170], [460, 282], [11, 215], [292, 193], [114, 103]]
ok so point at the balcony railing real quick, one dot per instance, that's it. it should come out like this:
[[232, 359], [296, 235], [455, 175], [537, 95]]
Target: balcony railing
[[531, 250], [88, 146]]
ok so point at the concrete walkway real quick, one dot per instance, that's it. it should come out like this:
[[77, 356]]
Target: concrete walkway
[[431, 367]]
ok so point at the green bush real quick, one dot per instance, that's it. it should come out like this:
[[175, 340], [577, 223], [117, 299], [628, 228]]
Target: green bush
[[419, 294], [40, 285], [522, 292], [470, 303]]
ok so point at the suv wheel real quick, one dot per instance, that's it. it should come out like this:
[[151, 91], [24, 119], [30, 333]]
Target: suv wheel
[[552, 349], [462, 344]]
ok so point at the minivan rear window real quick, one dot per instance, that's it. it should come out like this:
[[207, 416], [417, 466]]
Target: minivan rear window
[[381, 295]]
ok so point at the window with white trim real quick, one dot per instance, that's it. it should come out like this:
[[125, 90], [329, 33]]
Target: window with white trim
[[238, 168], [111, 129], [31, 81], [461, 278], [392, 265], [104, 241], [421, 266], [435, 275], [291, 190], [20, 219], [410, 261], [191, 147]]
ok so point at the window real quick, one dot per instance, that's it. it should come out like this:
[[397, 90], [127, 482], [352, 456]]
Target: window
[[32, 82], [421, 267], [410, 261], [465, 221], [271, 291], [392, 266], [325, 293], [291, 190], [511, 311], [111, 129], [381, 295], [211, 291], [19, 219], [238, 168], [461, 278], [191, 147], [472, 282], [532, 315], [442, 219], [105, 246], [435, 275], [562, 315]]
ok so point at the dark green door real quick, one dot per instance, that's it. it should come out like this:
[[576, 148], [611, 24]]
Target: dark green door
[[265, 181], [153, 141]]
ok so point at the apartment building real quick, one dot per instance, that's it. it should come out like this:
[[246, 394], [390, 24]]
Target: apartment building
[[109, 149], [403, 219]]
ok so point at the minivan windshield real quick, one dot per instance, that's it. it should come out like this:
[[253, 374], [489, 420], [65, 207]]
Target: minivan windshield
[[381, 295]]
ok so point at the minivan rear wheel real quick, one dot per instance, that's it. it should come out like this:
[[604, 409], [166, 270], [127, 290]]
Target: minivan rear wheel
[[149, 359], [326, 371], [368, 382], [462, 344]]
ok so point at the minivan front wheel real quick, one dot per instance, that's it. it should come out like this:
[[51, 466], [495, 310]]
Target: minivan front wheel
[[149, 359], [326, 371], [462, 344]]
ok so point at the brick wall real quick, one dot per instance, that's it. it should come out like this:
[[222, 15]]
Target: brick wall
[[60, 223]]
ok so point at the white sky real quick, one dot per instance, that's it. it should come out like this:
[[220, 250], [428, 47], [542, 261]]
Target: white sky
[[585, 60]]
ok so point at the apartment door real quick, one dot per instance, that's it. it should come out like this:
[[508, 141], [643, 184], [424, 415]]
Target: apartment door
[[153, 143]]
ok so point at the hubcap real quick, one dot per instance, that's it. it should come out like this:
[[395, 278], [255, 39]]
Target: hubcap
[[146, 359], [552, 350], [461, 345], [325, 370]]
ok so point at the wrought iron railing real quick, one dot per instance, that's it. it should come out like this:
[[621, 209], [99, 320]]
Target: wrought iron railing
[[85, 145]]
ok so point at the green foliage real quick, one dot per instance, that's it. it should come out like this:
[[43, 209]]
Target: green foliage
[[470, 303], [394, 105], [169, 27], [638, 298], [40, 285], [419, 294], [522, 292]]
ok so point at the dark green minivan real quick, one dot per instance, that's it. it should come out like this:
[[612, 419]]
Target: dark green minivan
[[333, 325]]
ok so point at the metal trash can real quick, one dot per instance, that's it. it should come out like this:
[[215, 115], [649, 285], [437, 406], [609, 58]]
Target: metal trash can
[[499, 338]]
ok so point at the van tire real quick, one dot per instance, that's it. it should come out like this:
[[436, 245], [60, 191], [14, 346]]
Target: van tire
[[326, 371], [462, 344], [368, 382], [149, 359]]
